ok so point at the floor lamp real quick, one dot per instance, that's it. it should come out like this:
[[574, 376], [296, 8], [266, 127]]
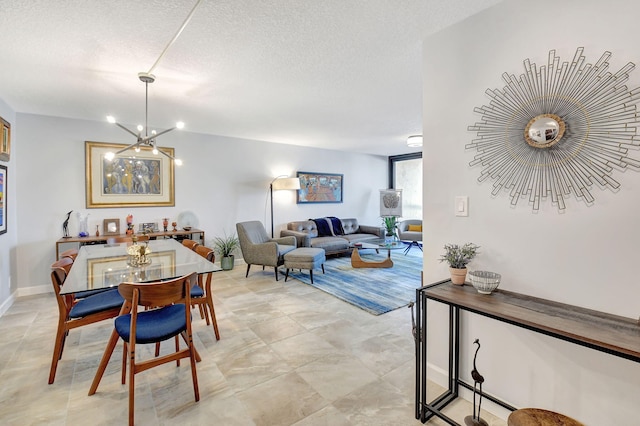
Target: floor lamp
[[281, 182]]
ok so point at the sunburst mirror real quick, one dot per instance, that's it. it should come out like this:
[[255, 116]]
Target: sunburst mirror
[[557, 129]]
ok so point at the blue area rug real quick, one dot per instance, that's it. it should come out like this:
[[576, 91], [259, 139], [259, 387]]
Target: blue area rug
[[376, 290]]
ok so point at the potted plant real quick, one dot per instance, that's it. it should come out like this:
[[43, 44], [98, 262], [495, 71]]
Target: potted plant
[[458, 257], [390, 224], [225, 247]]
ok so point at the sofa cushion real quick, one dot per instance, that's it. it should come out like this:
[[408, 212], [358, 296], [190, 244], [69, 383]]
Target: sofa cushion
[[360, 238], [307, 226], [350, 226], [330, 244], [414, 228]]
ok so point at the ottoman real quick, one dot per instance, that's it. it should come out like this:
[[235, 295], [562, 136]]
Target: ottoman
[[304, 258]]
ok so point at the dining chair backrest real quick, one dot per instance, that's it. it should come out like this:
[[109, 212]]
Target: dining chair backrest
[[206, 252], [190, 244], [59, 271], [71, 253], [160, 293]]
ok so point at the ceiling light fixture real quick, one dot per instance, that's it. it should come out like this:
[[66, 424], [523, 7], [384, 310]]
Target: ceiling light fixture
[[414, 141], [146, 78], [146, 140]]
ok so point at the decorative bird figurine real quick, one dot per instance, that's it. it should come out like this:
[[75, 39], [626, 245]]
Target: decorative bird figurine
[[65, 226], [478, 379]]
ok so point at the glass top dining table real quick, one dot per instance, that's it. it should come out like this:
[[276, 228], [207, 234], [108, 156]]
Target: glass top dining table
[[105, 265]]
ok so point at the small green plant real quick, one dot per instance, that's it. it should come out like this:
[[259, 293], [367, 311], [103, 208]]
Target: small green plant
[[458, 256], [225, 246], [390, 223]]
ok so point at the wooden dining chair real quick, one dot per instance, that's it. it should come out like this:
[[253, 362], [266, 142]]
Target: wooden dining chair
[[201, 294], [136, 326], [72, 253], [190, 244], [74, 312]]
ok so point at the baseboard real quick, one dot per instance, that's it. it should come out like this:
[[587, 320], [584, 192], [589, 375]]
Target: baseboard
[[31, 291], [7, 304], [440, 377]]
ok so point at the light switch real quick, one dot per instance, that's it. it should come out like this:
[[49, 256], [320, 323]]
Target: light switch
[[462, 205]]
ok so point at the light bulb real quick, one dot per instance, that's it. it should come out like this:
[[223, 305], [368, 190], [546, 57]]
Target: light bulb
[[109, 156], [180, 125], [153, 132], [110, 119], [155, 150], [140, 127], [137, 148], [178, 162]]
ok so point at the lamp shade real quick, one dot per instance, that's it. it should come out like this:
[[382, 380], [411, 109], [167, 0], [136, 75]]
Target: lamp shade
[[414, 140], [286, 183]]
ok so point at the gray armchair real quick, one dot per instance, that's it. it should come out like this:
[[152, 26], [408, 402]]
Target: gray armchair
[[410, 237], [260, 249]]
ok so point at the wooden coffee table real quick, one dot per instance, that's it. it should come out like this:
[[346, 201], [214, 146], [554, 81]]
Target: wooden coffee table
[[358, 262]]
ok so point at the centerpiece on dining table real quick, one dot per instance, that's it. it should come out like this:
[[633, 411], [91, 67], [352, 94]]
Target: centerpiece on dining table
[[138, 253]]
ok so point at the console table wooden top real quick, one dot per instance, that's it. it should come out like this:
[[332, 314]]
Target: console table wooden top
[[598, 330]]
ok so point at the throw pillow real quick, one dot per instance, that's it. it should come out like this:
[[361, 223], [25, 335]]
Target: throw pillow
[[414, 228]]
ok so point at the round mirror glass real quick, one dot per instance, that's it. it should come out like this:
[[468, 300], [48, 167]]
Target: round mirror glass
[[544, 130]]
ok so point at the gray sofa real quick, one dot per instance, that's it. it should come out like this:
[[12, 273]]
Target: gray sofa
[[306, 233]]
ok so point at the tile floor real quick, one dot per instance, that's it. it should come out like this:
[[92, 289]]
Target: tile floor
[[289, 355]]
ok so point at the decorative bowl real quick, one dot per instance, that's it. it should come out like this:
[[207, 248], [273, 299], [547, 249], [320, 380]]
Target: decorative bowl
[[187, 228], [484, 281]]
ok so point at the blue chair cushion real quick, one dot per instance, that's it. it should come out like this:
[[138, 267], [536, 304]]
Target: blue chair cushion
[[197, 291], [155, 325], [99, 302]]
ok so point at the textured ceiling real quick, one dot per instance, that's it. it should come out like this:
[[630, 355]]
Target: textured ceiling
[[336, 74]]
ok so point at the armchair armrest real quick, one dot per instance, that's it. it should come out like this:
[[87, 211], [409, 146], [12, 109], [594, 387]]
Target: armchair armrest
[[302, 239], [262, 254], [375, 230]]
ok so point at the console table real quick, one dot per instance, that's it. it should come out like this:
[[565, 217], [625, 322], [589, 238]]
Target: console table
[[604, 332], [102, 239]]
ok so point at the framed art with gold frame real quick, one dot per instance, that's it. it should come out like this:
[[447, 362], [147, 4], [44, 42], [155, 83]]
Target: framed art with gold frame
[[131, 179], [5, 140]]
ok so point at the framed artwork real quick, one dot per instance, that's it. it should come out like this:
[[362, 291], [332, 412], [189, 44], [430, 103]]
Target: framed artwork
[[319, 188], [148, 227], [131, 179], [5, 140], [391, 202], [3, 199], [111, 227]]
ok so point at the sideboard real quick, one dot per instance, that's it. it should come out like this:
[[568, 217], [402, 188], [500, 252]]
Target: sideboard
[[102, 239], [612, 334]]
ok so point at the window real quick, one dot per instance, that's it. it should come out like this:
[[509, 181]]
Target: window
[[405, 172]]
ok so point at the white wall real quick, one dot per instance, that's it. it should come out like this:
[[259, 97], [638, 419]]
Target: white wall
[[223, 181], [585, 257], [8, 281]]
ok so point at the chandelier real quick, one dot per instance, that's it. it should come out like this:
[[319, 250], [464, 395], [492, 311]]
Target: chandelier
[[146, 140], [146, 77]]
